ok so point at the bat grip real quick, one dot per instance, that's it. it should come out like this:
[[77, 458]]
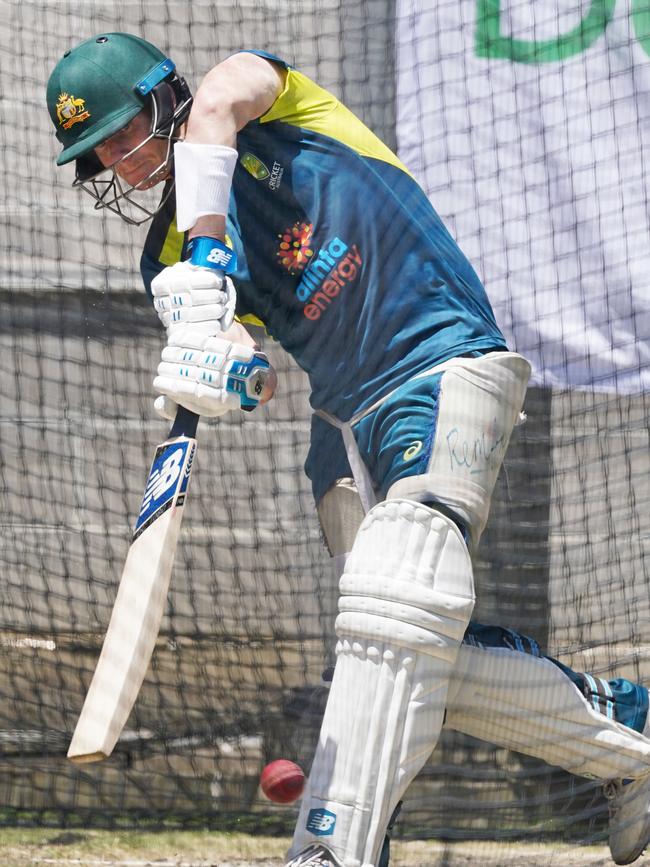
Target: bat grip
[[185, 423]]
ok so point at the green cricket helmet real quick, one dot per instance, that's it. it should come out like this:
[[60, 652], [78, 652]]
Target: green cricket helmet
[[94, 91]]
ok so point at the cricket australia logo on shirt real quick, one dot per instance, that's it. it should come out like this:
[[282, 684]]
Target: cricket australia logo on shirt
[[162, 484], [255, 167]]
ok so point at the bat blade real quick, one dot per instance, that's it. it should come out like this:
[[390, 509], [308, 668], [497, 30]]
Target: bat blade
[[141, 596]]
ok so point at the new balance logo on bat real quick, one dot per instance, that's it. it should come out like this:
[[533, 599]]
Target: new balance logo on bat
[[162, 483]]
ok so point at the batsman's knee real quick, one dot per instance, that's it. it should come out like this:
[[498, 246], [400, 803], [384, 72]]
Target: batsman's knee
[[408, 579]]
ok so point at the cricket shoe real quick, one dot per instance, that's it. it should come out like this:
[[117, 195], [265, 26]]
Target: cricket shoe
[[629, 818], [315, 856]]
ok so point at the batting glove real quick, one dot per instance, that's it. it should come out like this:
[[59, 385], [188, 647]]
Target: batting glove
[[209, 375], [186, 294]]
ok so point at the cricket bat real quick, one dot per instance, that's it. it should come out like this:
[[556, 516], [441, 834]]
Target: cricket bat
[[141, 596]]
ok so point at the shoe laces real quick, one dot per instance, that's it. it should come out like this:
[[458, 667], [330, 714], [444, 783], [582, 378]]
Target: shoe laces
[[612, 789], [314, 856]]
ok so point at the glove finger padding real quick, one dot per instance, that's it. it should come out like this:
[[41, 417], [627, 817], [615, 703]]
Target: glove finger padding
[[184, 293], [210, 375], [191, 340]]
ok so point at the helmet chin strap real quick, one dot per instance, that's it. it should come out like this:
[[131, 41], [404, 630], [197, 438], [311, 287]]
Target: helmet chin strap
[[133, 203]]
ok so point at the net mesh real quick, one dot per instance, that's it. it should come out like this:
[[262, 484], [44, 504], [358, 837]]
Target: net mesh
[[236, 675]]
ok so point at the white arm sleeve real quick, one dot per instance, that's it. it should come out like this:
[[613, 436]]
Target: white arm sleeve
[[203, 180]]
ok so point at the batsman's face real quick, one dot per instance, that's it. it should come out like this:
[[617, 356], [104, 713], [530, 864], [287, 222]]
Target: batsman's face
[[141, 163]]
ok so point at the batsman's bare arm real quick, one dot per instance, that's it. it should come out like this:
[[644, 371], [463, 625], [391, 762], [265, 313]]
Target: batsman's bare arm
[[234, 92], [241, 88]]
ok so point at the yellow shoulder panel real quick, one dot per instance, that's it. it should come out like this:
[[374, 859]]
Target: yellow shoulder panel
[[250, 319], [303, 103], [173, 246]]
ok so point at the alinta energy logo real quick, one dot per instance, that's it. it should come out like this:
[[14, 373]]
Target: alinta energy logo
[[295, 247], [322, 275]]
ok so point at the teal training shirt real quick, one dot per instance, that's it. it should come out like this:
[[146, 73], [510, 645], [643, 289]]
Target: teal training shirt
[[340, 254]]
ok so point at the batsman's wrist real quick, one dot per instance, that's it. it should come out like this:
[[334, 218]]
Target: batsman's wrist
[[211, 253]]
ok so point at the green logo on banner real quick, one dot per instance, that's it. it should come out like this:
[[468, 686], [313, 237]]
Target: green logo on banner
[[491, 43]]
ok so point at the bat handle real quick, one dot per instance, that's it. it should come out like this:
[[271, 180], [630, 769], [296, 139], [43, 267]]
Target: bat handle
[[184, 424]]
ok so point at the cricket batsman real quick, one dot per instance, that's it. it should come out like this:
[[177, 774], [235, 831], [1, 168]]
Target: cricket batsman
[[279, 207]]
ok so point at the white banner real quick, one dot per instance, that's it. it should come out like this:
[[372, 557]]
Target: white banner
[[528, 124]]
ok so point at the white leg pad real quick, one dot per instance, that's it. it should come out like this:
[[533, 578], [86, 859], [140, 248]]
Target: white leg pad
[[407, 594], [526, 703]]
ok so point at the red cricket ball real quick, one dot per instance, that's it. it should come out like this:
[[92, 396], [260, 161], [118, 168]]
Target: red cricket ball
[[282, 781]]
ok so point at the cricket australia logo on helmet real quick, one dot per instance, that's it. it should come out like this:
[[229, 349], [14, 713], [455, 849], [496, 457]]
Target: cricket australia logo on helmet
[[120, 76], [71, 110]]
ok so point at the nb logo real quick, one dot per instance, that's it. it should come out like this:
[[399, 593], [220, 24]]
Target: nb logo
[[218, 256], [162, 478], [321, 822]]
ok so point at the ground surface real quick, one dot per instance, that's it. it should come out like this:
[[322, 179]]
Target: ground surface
[[61, 848]]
